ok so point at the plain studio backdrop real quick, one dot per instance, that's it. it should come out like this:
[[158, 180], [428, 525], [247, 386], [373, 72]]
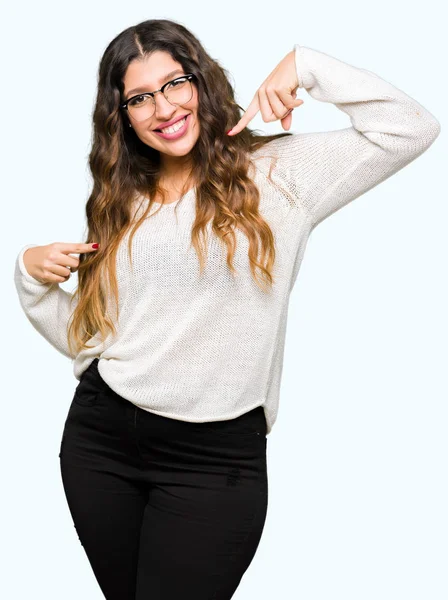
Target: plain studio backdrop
[[358, 456]]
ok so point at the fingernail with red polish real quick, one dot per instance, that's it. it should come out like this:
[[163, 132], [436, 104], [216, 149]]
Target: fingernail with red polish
[[95, 246], [227, 132]]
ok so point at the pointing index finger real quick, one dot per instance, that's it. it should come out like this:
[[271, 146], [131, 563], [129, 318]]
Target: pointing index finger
[[247, 117], [76, 248]]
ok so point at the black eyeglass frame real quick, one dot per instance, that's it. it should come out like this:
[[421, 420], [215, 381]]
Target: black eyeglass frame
[[188, 76]]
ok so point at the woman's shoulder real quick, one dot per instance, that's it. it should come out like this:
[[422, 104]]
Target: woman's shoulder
[[281, 154], [274, 163], [287, 146]]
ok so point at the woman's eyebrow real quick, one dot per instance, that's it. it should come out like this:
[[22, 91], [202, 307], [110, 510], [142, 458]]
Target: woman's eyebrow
[[162, 80]]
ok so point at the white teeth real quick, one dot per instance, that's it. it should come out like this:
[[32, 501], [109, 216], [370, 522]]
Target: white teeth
[[175, 127]]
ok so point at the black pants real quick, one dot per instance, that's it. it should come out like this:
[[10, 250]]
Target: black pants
[[164, 509]]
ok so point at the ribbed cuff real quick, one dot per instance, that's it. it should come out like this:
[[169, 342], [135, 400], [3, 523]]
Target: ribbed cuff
[[304, 57]]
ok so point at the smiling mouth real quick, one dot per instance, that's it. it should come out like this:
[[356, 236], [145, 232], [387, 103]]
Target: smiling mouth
[[160, 130]]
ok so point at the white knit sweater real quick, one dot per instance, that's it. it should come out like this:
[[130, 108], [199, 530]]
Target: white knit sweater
[[211, 348]]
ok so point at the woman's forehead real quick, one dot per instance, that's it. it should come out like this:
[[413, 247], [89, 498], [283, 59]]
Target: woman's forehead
[[151, 72]]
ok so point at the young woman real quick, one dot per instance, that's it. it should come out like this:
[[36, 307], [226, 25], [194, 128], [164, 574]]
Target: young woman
[[177, 326]]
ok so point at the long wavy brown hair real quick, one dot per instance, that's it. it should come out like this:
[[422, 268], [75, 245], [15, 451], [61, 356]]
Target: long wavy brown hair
[[122, 165]]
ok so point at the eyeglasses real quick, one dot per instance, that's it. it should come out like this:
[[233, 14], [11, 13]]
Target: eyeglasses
[[178, 91]]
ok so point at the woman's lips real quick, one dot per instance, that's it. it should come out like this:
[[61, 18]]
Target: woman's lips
[[176, 134]]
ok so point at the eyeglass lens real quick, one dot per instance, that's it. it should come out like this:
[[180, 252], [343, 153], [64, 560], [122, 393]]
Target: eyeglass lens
[[179, 91]]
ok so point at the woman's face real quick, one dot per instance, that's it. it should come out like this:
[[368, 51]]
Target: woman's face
[[149, 75]]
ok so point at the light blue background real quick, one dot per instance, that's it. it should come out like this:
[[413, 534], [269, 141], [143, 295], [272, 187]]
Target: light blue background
[[358, 456]]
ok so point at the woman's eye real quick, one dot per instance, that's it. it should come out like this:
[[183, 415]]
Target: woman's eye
[[137, 100]]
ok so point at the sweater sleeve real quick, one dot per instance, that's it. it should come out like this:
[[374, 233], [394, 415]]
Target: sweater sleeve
[[46, 305], [324, 171]]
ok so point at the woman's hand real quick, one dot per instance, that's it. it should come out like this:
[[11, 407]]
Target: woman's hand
[[49, 264], [276, 97]]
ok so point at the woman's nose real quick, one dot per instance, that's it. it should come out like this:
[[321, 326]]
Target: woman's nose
[[163, 109]]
